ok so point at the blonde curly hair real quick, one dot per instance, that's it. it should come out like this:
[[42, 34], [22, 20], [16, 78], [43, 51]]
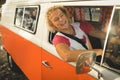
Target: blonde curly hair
[[51, 26]]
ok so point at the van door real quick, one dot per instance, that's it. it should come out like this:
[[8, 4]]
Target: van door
[[54, 68]]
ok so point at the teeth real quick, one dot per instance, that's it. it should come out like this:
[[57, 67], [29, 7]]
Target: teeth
[[62, 24]]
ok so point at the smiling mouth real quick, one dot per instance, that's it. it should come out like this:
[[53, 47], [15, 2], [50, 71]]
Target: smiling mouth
[[62, 24]]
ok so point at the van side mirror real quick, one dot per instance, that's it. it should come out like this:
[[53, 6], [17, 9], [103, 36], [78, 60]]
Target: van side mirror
[[85, 61]]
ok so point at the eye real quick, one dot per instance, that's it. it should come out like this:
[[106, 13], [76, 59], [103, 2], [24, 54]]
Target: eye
[[56, 19], [61, 15]]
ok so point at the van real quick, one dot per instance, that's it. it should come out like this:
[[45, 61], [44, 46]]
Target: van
[[28, 43]]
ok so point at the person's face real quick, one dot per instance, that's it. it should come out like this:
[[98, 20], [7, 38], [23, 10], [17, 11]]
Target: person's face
[[59, 19], [34, 12]]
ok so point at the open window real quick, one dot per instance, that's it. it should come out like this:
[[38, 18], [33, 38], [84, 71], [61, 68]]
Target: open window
[[26, 18], [98, 16], [112, 51]]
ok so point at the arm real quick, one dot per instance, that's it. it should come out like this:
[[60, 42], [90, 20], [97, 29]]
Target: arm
[[97, 33], [89, 29], [71, 55]]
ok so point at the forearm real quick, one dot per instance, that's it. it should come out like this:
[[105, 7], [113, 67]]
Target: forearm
[[73, 54], [98, 34]]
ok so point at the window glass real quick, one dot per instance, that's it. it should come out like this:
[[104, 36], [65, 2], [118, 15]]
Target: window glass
[[95, 14], [112, 51], [87, 14], [19, 16], [92, 14], [26, 18]]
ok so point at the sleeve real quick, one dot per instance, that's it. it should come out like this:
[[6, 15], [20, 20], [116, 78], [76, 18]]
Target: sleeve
[[86, 27], [60, 39]]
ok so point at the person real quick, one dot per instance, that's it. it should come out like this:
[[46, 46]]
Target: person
[[58, 20], [33, 16], [27, 23], [19, 16]]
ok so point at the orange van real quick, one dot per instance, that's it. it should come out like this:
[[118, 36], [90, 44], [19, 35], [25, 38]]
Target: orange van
[[28, 43]]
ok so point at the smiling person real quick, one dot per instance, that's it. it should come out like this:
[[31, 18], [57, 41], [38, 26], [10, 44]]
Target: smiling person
[[67, 47]]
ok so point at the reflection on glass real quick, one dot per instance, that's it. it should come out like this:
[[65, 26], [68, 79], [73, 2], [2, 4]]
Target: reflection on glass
[[95, 14], [19, 15], [87, 16], [112, 52], [26, 18], [29, 20]]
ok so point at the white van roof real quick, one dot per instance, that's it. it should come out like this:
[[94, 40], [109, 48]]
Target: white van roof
[[14, 1]]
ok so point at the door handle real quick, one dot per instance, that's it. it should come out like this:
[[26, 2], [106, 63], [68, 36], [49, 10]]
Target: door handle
[[46, 64]]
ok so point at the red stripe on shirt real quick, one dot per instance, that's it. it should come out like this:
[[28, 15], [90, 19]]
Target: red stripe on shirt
[[60, 39]]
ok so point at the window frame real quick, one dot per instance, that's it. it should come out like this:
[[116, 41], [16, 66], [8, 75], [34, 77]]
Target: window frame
[[51, 35], [37, 7]]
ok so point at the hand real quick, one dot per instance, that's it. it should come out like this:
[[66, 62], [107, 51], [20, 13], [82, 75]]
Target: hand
[[98, 51]]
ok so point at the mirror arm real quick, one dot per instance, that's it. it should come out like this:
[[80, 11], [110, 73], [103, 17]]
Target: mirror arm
[[99, 73]]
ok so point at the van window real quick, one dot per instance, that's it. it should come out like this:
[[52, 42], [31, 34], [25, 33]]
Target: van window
[[26, 18], [92, 14], [112, 51], [98, 16]]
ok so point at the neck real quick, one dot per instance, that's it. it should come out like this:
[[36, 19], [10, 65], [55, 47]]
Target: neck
[[68, 31]]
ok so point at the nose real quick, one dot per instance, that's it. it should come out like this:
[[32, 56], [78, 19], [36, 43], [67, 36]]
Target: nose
[[60, 19]]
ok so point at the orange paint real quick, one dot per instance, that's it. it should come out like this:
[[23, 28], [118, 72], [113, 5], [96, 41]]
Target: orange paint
[[29, 57], [26, 54]]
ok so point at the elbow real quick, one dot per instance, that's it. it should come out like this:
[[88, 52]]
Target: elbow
[[67, 58]]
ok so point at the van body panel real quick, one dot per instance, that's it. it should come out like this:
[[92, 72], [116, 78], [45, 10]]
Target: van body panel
[[107, 74], [23, 52], [60, 69]]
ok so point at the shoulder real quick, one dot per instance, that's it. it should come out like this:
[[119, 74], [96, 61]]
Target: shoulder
[[75, 24], [59, 38], [86, 27]]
